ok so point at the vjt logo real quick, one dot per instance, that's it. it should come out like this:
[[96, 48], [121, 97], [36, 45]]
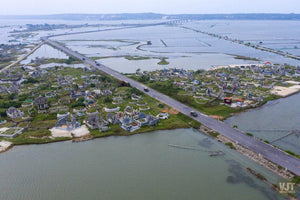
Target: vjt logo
[[286, 187]]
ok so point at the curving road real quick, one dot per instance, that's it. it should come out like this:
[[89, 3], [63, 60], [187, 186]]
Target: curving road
[[267, 151]]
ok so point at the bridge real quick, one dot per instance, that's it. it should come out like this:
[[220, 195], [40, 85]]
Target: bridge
[[267, 151]]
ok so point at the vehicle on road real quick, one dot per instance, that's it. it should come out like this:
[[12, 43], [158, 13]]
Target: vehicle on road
[[146, 89], [193, 113], [83, 58]]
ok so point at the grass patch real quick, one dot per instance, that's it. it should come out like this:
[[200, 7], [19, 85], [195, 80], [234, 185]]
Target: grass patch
[[163, 61], [230, 145], [250, 134], [213, 134], [296, 179], [36, 137], [246, 58], [137, 58], [293, 154]]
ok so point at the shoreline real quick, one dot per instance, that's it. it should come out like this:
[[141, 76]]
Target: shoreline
[[248, 153]]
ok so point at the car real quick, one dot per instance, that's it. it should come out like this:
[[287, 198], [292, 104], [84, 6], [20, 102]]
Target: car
[[146, 89], [193, 113], [83, 58]]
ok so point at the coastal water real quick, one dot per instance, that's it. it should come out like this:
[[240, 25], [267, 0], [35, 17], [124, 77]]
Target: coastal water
[[272, 121], [136, 167], [183, 48], [178, 43]]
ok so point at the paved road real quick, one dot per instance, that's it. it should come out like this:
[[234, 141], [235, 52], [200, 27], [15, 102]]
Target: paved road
[[276, 156], [23, 57], [109, 29]]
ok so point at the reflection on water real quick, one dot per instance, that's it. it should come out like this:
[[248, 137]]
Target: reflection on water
[[239, 176]]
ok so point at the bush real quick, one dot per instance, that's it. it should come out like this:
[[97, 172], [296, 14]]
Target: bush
[[10, 104], [230, 145], [107, 99], [77, 104], [161, 105], [143, 79], [12, 96], [3, 114], [43, 87], [213, 134], [133, 90], [30, 80], [292, 153], [250, 134], [296, 179]]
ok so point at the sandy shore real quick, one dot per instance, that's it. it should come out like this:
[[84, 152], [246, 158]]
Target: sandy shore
[[79, 132], [5, 145], [285, 91]]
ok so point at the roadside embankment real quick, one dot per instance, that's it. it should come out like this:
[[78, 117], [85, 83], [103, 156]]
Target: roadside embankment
[[250, 154]]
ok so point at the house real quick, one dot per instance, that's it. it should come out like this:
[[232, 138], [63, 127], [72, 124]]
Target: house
[[130, 111], [152, 120], [92, 120], [3, 89], [63, 123], [135, 97], [129, 125], [228, 100], [117, 100], [112, 118], [163, 115], [41, 103], [13, 88], [35, 74], [105, 92], [14, 113], [111, 109], [240, 102], [76, 94]]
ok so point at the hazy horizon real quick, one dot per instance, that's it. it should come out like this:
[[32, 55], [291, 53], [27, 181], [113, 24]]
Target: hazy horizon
[[51, 7], [142, 13]]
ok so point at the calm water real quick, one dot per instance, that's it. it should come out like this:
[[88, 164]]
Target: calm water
[[137, 167], [45, 51], [280, 35], [184, 48], [279, 118]]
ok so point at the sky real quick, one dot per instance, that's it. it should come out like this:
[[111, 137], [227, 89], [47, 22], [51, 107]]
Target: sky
[[36, 7]]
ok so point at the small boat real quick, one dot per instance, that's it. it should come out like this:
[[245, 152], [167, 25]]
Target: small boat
[[217, 153]]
